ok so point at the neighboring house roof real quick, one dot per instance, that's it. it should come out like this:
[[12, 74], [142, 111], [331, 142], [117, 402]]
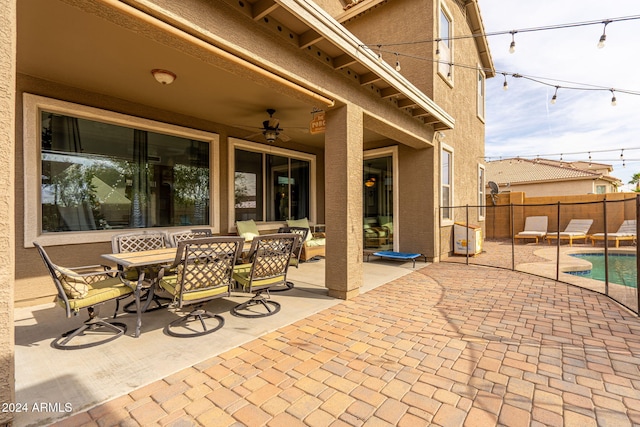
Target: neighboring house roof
[[525, 171]]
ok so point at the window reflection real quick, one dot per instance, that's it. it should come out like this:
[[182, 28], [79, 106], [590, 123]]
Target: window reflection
[[102, 176]]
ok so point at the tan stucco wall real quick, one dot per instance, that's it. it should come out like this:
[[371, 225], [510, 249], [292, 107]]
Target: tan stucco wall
[[515, 207], [565, 188], [387, 24], [7, 201], [32, 283]]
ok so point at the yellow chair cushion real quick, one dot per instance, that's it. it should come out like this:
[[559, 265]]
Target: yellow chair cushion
[[170, 284], [242, 276], [74, 285], [99, 292]]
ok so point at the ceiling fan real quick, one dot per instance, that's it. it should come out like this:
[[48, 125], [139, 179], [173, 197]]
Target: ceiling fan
[[271, 129]]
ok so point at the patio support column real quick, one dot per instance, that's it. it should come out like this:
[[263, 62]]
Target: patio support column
[[8, 35], [343, 201]]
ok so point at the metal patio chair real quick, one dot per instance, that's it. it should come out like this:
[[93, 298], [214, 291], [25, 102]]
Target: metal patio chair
[[271, 256], [203, 272], [136, 242], [88, 287], [179, 236]]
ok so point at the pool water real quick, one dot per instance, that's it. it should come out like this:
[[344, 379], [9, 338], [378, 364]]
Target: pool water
[[622, 268]]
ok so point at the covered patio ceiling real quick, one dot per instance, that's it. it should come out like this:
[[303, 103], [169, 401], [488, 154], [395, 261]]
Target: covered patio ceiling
[[61, 43]]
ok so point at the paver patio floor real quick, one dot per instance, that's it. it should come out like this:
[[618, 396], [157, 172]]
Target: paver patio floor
[[446, 345]]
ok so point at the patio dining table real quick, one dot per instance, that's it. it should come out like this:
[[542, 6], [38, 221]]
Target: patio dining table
[[150, 260]]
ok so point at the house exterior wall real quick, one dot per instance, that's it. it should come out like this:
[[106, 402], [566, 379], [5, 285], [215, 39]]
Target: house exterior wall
[[32, 283], [8, 26], [420, 171], [562, 188]]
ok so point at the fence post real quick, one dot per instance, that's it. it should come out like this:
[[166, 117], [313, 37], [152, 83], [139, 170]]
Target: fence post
[[637, 252], [606, 247], [558, 247], [467, 230], [513, 240]]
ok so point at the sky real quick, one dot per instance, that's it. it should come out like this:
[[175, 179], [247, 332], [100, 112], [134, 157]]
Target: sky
[[521, 121]]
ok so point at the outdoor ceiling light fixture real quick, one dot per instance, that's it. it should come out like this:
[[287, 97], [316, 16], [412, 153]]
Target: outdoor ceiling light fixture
[[163, 76], [270, 134]]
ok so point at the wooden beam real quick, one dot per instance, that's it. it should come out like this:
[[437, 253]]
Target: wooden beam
[[308, 38], [368, 78], [343, 61], [404, 103], [262, 8], [389, 92]]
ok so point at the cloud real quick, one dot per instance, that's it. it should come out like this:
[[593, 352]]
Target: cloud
[[522, 122]]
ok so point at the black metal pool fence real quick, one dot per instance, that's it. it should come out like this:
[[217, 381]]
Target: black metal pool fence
[[491, 242]]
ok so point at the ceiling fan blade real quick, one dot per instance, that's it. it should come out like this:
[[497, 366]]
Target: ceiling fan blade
[[273, 123], [284, 137], [253, 135]]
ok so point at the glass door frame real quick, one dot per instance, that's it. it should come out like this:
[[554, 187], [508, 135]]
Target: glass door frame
[[393, 153]]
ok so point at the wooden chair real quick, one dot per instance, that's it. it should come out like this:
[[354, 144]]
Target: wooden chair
[[577, 229], [535, 227]]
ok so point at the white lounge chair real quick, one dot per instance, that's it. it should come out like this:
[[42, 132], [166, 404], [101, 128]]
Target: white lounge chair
[[627, 231], [535, 227], [576, 229]]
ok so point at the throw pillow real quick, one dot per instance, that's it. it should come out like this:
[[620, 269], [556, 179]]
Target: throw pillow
[[247, 229], [74, 285], [304, 222]]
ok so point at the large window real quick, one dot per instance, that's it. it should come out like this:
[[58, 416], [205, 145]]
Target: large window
[[271, 186], [445, 46], [100, 170], [446, 180]]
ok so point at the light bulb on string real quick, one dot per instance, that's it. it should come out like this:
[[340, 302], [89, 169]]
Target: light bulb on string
[[437, 48], [505, 85], [380, 53], [555, 95], [589, 158], [603, 37], [561, 162], [512, 46], [614, 101], [398, 67]]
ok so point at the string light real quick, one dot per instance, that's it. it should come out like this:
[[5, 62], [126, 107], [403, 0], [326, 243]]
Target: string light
[[555, 95], [521, 30], [512, 46], [614, 102], [505, 85], [603, 37], [537, 157], [589, 158], [547, 81], [438, 48], [398, 67], [380, 52]]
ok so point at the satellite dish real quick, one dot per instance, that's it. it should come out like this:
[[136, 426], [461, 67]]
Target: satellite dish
[[494, 187]]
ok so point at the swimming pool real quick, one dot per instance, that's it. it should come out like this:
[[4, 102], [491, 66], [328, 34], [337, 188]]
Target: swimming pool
[[622, 268]]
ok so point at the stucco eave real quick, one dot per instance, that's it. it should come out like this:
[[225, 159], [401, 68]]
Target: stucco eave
[[325, 25]]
